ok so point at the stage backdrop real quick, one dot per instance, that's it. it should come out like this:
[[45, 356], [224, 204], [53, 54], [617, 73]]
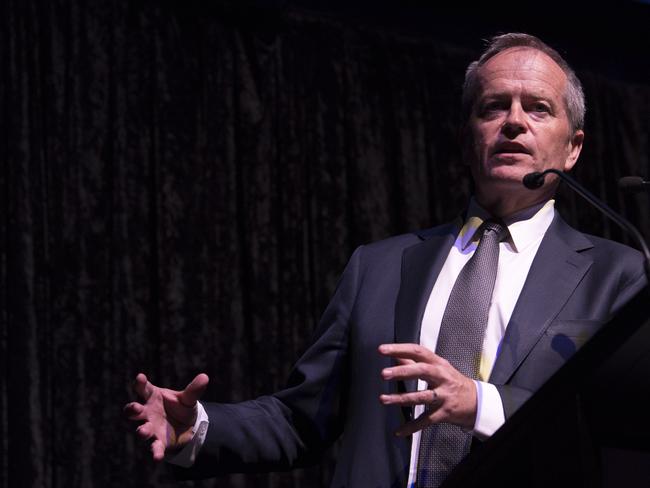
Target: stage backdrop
[[181, 187]]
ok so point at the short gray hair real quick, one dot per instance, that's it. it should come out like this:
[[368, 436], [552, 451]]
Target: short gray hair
[[574, 97]]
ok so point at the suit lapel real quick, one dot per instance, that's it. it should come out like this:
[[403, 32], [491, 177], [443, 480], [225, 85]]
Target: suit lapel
[[421, 265], [554, 274]]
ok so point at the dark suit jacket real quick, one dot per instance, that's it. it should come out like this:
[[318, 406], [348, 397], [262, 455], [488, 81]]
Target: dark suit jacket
[[576, 282]]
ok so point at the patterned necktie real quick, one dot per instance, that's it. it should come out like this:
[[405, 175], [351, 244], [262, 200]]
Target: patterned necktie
[[460, 342]]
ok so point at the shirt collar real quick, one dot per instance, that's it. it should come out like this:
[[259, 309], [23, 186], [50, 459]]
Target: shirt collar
[[525, 227]]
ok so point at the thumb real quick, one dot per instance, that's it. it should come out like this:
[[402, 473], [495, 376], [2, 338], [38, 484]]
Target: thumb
[[194, 390]]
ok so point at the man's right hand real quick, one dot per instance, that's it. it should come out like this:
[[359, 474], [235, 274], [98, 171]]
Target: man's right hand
[[166, 416]]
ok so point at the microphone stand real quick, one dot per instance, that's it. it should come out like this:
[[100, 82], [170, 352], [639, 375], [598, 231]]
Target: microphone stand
[[535, 180]]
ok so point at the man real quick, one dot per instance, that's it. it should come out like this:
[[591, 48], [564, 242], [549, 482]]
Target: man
[[435, 337]]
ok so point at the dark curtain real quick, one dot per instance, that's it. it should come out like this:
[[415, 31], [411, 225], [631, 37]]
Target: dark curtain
[[181, 187]]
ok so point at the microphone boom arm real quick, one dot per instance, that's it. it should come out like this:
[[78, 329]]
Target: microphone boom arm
[[535, 180]]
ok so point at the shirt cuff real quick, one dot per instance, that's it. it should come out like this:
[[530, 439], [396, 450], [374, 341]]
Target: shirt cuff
[[187, 456], [489, 410]]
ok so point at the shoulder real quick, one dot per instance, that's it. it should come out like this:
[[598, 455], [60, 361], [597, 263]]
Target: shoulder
[[612, 255], [592, 245], [609, 259], [396, 245], [613, 248]]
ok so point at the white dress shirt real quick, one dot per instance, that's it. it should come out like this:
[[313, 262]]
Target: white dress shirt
[[516, 253], [527, 228]]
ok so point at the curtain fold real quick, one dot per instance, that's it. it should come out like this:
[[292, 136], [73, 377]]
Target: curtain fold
[[181, 187]]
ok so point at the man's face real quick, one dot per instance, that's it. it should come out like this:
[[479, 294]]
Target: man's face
[[519, 122]]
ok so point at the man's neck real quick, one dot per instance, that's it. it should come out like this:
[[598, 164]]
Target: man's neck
[[503, 205]]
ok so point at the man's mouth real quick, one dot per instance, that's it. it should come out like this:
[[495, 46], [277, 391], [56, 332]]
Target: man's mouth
[[511, 148]]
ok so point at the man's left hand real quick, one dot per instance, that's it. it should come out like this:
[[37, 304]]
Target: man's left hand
[[450, 397]]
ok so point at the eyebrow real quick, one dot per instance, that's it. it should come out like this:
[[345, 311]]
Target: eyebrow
[[504, 96]]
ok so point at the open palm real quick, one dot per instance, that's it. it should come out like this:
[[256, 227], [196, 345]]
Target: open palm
[[167, 416]]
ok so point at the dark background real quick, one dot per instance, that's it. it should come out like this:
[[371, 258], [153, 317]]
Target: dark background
[[182, 183]]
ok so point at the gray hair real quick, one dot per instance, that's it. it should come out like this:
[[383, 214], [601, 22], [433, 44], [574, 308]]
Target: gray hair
[[574, 97]]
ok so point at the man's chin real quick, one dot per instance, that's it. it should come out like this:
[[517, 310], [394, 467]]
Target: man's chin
[[499, 176], [507, 177], [511, 184]]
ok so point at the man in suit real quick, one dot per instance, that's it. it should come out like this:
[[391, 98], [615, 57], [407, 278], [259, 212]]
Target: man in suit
[[392, 366]]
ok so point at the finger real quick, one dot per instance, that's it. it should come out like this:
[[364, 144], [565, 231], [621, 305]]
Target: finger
[[158, 450], [143, 387], [424, 397], [416, 352], [413, 426], [145, 431], [409, 371], [194, 390], [404, 361], [133, 411]]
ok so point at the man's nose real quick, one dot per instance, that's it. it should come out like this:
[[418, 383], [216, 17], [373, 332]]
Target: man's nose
[[515, 122]]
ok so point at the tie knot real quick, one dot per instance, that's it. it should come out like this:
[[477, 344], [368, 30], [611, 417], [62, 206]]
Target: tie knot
[[497, 227]]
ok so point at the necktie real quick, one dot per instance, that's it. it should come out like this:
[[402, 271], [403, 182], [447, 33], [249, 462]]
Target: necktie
[[460, 341]]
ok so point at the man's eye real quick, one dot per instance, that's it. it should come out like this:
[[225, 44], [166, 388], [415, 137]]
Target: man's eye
[[541, 107], [493, 107]]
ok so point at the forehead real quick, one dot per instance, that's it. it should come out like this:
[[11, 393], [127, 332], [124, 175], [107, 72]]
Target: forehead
[[525, 69]]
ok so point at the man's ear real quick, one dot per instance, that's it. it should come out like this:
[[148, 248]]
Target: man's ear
[[575, 146]]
